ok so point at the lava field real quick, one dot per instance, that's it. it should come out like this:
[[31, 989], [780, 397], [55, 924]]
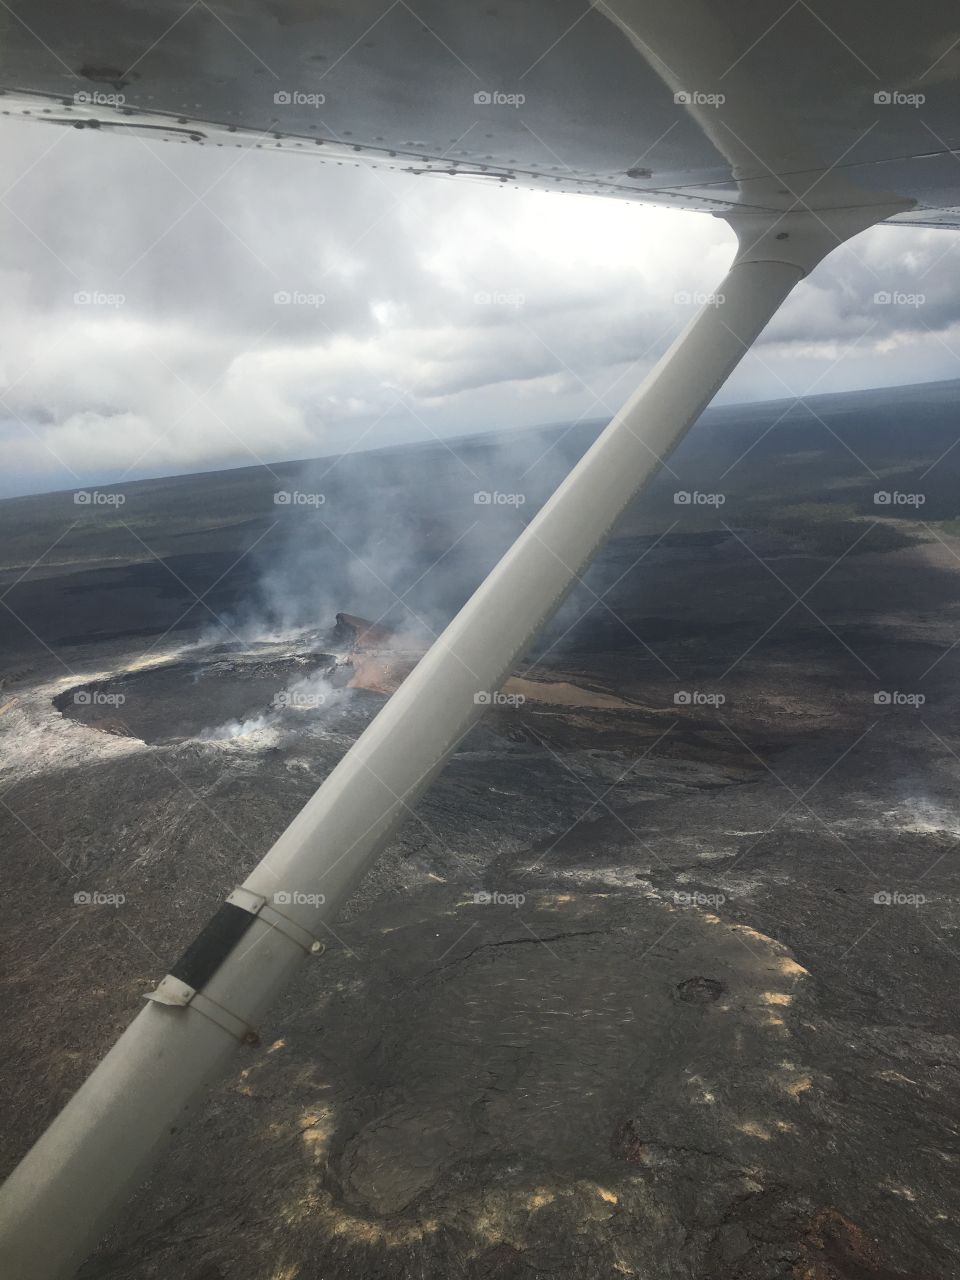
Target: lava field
[[658, 980]]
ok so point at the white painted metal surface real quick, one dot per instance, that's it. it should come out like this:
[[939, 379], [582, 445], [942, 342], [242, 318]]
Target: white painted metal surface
[[60, 1199], [692, 104]]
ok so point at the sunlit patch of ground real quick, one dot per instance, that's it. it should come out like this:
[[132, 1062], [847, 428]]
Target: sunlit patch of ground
[[538, 1070]]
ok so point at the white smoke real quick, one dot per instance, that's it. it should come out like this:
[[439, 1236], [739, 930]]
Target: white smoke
[[233, 729], [312, 696]]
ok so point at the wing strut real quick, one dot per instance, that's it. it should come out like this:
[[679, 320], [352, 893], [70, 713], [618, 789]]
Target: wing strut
[[62, 1197]]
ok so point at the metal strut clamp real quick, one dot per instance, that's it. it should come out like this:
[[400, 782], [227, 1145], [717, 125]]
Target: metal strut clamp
[[182, 985], [258, 906]]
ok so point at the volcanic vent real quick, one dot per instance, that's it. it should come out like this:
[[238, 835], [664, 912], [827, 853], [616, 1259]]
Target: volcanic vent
[[211, 697]]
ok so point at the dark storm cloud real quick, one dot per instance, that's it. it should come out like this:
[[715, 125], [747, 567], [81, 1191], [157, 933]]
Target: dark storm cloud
[[168, 307]]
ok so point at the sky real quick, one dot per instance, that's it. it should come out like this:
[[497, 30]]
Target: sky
[[172, 308]]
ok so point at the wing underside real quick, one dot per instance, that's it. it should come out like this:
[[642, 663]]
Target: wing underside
[[703, 109]]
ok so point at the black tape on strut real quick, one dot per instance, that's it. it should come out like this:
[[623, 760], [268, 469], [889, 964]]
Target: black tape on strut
[[207, 952]]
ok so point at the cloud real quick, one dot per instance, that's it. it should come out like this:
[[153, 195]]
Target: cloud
[[170, 308]]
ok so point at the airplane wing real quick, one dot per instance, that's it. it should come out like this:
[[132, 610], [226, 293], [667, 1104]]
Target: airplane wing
[[691, 106]]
